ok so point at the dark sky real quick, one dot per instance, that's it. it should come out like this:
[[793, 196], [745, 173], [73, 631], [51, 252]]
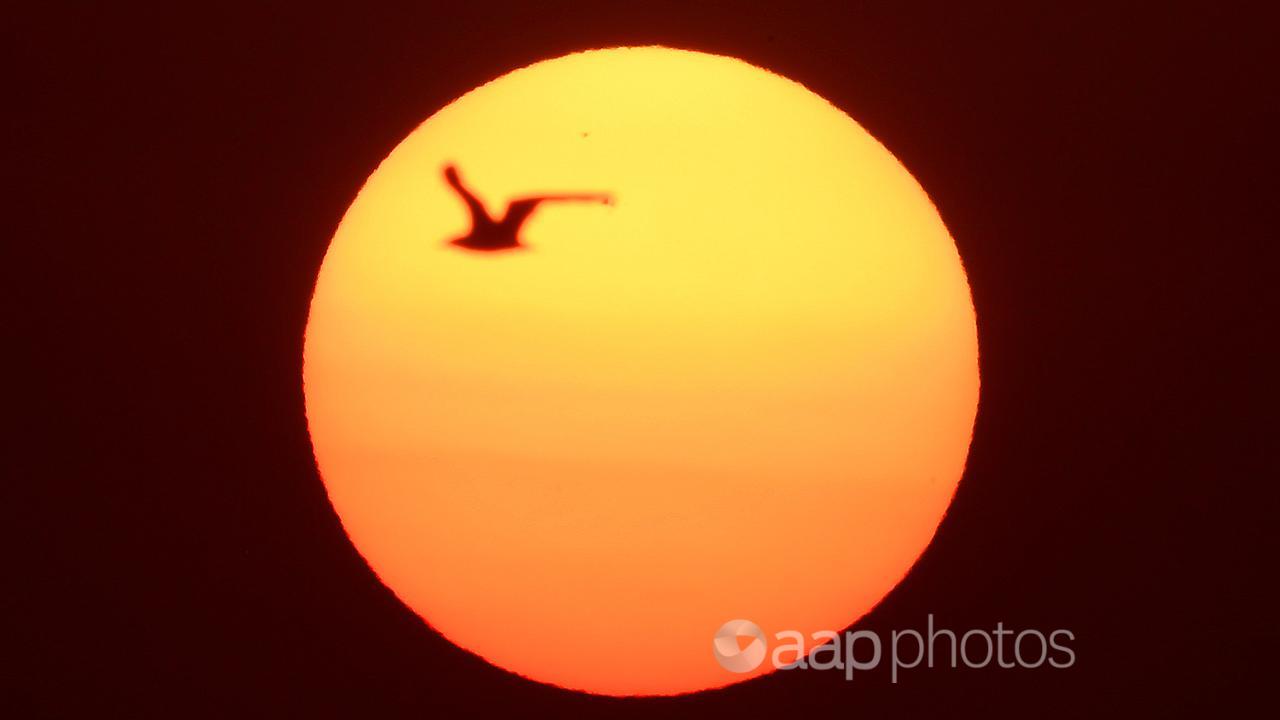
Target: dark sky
[[175, 176]]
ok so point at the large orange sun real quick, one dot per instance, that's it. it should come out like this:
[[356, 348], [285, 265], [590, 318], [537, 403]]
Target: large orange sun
[[744, 390]]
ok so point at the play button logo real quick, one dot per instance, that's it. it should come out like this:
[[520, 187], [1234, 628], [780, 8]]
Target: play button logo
[[739, 646]]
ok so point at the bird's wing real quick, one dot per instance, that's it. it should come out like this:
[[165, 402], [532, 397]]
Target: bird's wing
[[479, 216], [519, 210]]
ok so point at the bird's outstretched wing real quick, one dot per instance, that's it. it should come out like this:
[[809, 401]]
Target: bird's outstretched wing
[[519, 210]]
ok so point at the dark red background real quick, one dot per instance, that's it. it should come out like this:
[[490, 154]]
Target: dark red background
[[175, 176]]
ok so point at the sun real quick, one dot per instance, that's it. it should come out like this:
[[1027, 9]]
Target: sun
[[745, 388]]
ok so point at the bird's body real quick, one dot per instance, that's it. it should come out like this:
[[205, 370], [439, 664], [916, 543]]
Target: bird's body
[[488, 234]]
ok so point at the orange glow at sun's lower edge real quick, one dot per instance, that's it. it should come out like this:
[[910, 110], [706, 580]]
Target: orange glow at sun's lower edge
[[743, 390]]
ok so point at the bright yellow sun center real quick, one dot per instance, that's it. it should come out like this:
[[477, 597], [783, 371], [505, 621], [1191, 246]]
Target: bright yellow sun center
[[744, 390]]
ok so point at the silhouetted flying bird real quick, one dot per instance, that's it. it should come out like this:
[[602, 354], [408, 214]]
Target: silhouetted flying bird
[[488, 234]]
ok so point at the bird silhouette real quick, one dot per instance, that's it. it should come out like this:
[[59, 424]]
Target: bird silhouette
[[488, 234]]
